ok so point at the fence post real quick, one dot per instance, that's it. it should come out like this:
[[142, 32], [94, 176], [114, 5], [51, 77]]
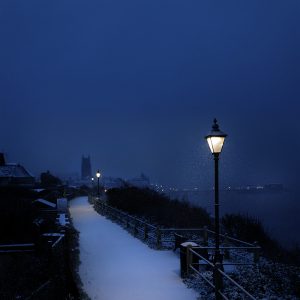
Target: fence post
[[205, 236], [145, 232], [189, 259], [256, 253], [176, 241], [158, 237]]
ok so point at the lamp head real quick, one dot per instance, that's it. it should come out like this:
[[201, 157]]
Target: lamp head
[[216, 138], [98, 174]]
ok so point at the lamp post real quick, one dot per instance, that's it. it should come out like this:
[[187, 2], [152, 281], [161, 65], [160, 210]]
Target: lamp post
[[215, 140], [93, 180], [98, 178]]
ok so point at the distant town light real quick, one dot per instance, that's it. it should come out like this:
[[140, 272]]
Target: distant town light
[[216, 138]]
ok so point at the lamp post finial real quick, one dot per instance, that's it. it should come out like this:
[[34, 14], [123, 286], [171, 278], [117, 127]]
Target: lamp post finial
[[215, 125]]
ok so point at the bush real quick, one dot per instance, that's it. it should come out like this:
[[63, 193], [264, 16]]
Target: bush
[[158, 208], [251, 229]]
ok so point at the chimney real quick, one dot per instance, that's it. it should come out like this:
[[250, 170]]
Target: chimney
[[2, 159]]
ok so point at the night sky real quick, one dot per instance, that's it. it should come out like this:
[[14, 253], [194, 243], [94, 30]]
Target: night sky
[[136, 84]]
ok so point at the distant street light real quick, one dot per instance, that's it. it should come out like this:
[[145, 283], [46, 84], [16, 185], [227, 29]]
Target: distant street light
[[98, 178], [215, 142]]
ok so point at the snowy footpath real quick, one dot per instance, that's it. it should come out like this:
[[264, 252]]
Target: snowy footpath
[[116, 266]]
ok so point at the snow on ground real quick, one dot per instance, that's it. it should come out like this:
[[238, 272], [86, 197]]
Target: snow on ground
[[116, 266]]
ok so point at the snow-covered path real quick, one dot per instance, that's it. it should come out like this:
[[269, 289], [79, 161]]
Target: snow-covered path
[[116, 266]]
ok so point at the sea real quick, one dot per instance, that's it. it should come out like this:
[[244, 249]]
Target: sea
[[279, 211]]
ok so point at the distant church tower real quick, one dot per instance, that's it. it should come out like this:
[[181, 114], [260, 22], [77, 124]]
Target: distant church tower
[[86, 169]]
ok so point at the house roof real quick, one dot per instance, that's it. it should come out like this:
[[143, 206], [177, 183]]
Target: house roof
[[14, 170]]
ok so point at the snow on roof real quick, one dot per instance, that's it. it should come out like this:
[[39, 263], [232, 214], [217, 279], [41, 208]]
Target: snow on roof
[[46, 202], [14, 170], [115, 265]]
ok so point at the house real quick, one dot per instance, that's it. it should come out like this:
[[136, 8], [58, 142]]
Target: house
[[14, 174]]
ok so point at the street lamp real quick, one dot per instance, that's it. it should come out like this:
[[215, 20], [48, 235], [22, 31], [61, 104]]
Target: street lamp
[[98, 178], [215, 140]]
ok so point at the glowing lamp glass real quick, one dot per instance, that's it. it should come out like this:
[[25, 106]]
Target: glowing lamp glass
[[98, 174], [215, 143]]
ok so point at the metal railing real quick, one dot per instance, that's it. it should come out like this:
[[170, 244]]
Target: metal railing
[[131, 223], [218, 274], [175, 236], [230, 244], [159, 236]]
